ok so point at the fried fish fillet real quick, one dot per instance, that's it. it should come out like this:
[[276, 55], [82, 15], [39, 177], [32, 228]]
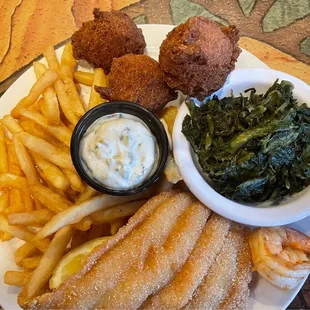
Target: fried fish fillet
[[216, 286], [162, 258], [108, 269], [240, 292], [180, 290], [161, 264]]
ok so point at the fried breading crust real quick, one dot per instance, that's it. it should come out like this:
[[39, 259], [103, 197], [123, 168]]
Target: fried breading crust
[[197, 56], [168, 256], [110, 34], [137, 78]]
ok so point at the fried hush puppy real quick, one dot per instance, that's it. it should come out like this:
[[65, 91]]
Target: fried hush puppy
[[197, 56], [110, 34], [137, 78]]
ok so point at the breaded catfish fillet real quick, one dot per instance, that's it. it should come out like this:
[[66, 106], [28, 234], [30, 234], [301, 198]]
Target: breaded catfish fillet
[[162, 259]]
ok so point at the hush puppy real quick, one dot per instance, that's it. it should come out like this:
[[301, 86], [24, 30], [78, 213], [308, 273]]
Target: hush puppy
[[137, 78], [110, 34], [197, 56]]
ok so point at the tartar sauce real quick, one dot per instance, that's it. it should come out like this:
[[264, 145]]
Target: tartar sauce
[[119, 151]]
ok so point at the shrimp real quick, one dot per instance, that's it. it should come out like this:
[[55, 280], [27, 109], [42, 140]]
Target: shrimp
[[281, 255]]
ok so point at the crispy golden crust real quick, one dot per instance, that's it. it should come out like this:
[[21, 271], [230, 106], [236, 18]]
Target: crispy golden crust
[[161, 264], [181, 289], [197, 56], [108, 269], [217, 289], [137, 78], [239, 293], [110, 34], [168, 256]]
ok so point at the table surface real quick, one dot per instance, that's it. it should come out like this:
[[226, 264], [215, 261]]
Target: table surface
[[276, 31]]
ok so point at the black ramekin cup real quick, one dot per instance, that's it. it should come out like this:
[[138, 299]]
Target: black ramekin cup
[[150, 119]]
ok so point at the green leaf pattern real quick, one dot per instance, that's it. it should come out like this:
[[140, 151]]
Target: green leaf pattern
[[284, 12], [305, 46], [183, 9], [141, 19], [247, 6]]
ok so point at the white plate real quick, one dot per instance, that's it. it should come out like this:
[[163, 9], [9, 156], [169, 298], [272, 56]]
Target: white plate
[[263, 295]]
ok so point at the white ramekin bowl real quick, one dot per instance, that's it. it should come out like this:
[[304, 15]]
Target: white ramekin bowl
[[290, 210]]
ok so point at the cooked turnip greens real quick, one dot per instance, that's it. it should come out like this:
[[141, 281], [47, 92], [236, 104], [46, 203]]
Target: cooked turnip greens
[[254, 148]]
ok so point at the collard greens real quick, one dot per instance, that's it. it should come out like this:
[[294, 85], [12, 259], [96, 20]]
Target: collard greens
[[254, 148]]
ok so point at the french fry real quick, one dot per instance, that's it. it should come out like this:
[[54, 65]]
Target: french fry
[[11, 124], [16, 201], [116, 225], [36, 130], [48, 262], [64, 102], [25, 161], [26, 250], [50, 106], [14, 167], [4, 236], [49, 198], [38, 204], [74, 179], [36, 107], [4, 164], [72, 94], [68, 62], [16, 278], [71, 127], [169, 114], [51, 58], [34, 218], [119, 211], [38, 68], [47, 150], [54, 189], [78, 88], [46, 80], [72, 193], [84, 224], [8, 180], [59, 131], [31, 262], [27, 166], [16, 182], [23, 234], [28, 202], [51, 172], [85, 78], [76, 213], [88, 193], [100, 79], [4, 200]]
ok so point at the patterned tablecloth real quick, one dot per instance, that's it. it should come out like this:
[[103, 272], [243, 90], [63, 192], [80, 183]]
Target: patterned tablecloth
[[276, 31]]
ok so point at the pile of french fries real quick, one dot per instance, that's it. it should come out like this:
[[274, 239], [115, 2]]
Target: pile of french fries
[[43, 200]]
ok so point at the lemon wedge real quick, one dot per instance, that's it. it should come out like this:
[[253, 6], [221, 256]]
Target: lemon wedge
[[73, 261]]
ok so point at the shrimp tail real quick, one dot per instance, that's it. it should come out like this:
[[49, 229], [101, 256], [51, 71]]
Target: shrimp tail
[[297, 240]]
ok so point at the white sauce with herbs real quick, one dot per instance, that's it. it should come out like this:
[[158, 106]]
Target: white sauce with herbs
[[119, 151]]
